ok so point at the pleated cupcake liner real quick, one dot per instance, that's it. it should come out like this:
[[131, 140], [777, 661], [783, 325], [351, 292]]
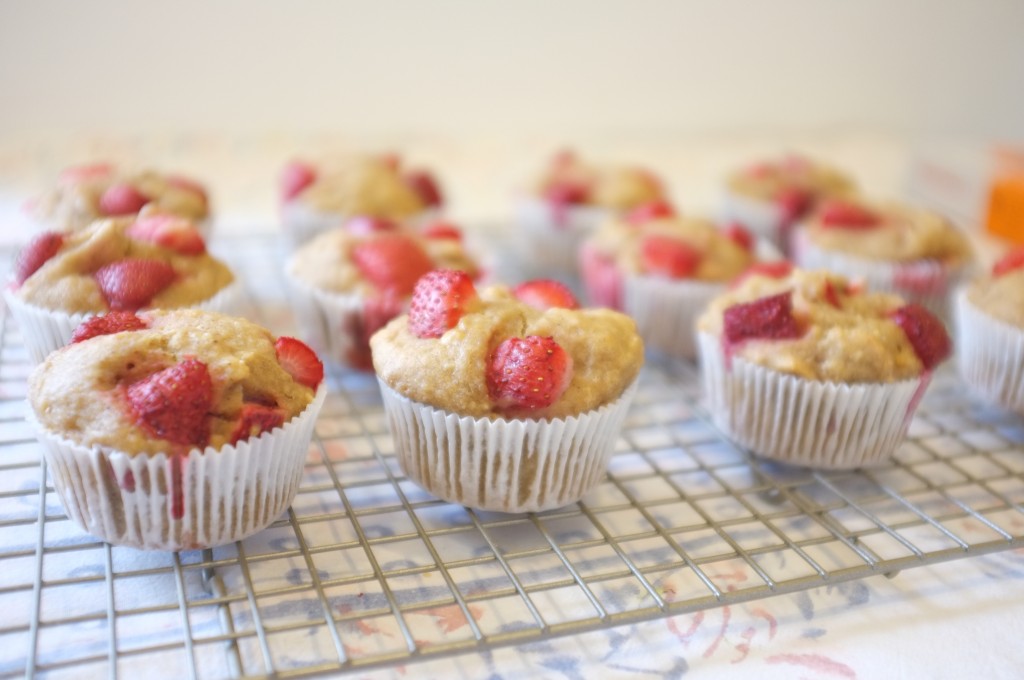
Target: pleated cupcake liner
[[990, 354], [666, 311], [550, 237]]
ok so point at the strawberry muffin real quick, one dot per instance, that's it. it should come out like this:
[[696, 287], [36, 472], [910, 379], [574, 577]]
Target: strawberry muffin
[[771, 196], [990, 332], [569, 200], [86, 193], [129, 263], [319, 197], [912, 252], [662, 270], [505, 400], [349, 281], [175, 430], [809, 369]]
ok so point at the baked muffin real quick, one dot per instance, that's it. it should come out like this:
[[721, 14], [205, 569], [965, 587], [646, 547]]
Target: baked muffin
[[347, 282], [131, 263], [810, 369], [770, 197], [913, 252], [662, 270], [321, 196], [178, 429], [568, 201], [504, 404], [86, 193], [990, 332]]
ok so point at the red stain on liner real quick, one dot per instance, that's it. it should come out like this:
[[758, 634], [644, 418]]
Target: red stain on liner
[[177, 488]]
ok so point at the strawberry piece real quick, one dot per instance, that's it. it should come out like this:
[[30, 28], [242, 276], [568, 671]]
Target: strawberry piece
[[1007, 263], [83, 173], [669, 257], [255, 419], [528, 373], [169, 231], [566, 193], [776, 269], [190, 185], [545, 294], [739, 235], [107, 324], [131, 283], [36, 253], [831, 295], [440, 299], [364, 225], [927, 335], [173, 404], [425, 186], [392, 262], [847, 215], [299, 361], [793, 203], [295, 177], [655, 210], [122, 199], [442, 230], [768, 318]]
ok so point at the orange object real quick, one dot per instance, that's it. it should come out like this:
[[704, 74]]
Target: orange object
[[1004, 215]]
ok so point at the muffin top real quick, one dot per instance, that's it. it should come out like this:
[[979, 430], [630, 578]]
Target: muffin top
[[885, 231], [171, 381], [820, 326], [1001, 293], [568, 180], [789, 177], [490, 354], [155, 261], [90, 192]]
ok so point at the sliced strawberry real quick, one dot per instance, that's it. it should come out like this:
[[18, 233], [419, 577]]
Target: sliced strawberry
[[190, 185], [255, 419], [545, 294], [295, 177], [107, 324], [655, 210], [425, 186], [442, 230], [131, 283], [777, 269], [36, 253], [668, 257], [299, 361], [82, 173], [173, 404], [122, 199], [768, 318], [927, 335], [566, 193], [528, 373], [847, 215], [793, 203], [392, 262], [831, 295], [363, 225], [440, 299], [1007, 263], [739, 235], [169, 231]]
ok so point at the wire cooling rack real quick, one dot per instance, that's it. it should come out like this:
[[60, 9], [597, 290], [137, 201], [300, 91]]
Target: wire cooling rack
[[366, 570]]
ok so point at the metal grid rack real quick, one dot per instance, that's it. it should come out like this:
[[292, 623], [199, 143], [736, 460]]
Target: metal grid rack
[[367, 570]]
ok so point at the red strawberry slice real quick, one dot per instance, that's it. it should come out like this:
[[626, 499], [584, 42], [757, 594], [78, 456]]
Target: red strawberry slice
[[255, 419], [173, 404], [131, 283], [545, 294], [190, 185], [777, 269], [739, 235], [655, 210], [425, 186], [299, 361], [440, 299], [769, 318], [36, 253], [927, 335], [169, 231], [793, 203], [295, 177], [442, 230], [392, 262], [122, 199], [107, 324], [528, 373], [668, 257], [364, 225], [566, 193], [1012, 260], [847, 215], [831, 294], [82, 173]]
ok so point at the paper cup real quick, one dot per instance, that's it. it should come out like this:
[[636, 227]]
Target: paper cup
[[504, 465], [666, 311], [550, 236], [990, 354]]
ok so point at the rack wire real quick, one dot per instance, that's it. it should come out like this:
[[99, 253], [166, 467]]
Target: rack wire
[[367, 570]]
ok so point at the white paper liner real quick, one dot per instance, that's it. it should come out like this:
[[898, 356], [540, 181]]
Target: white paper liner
[[990, 354], [666, 311], [46, 330], [805, 422], [762, 218], [550, 241], [504, 465], [226, 494]]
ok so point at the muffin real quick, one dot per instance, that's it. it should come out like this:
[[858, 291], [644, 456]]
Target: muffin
[[771, 196], [86, 193], [322, 196], [990, 332], [810, 369], [159, 261], [175, 430], [913, 252], [346, 283], [568, 201], [501, 404], [662, 270]]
